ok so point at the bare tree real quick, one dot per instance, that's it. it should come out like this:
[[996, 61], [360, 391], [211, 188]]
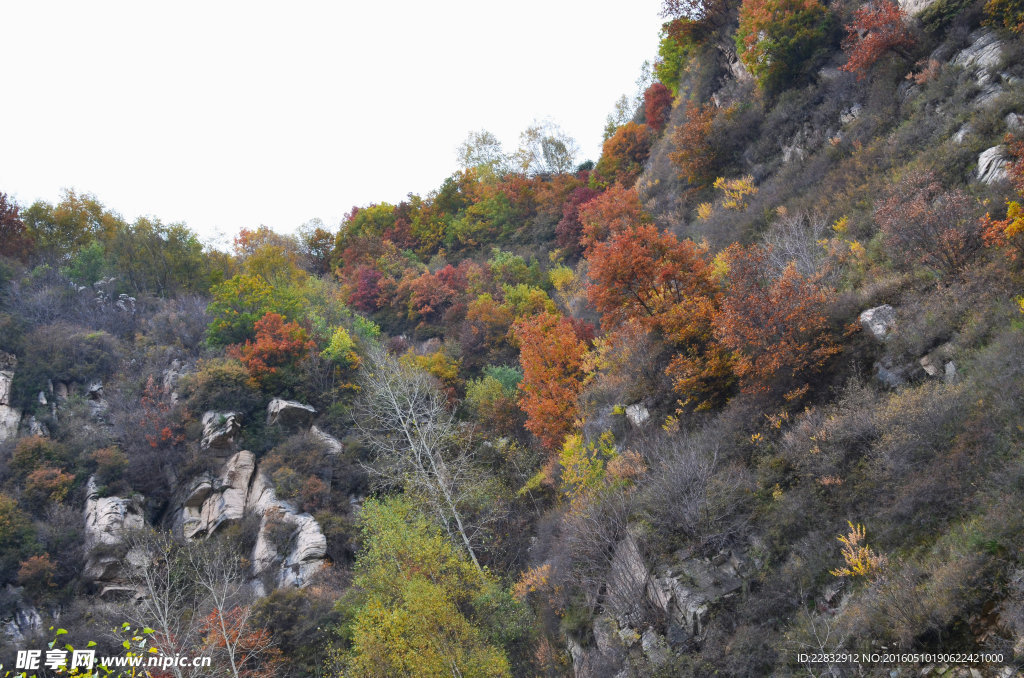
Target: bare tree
[[418, 444], [167, 599]]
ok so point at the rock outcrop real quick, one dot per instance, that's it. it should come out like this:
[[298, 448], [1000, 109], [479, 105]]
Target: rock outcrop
[[637, 414], [879, 320], [992, 165], [9, 416], [107, 519], [211, 502], [289, 414], [220, 429]]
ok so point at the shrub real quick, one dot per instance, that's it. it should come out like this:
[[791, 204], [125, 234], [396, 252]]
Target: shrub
[[782, 41], [694, 155], [45, 485], [221, 384], [36, 574], [1007, 14], [35, 452], [657, 106], [926, 225]]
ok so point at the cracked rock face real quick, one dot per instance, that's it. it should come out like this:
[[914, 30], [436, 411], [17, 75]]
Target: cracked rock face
[[992, 165], [220, 429], [9, 416], [240, 488], [289, 414], [879, 320], [107, 520]]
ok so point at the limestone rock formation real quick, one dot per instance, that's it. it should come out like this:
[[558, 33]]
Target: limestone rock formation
[[992, 165], [289, 414], [239, 489], [879, 320], [9, 416], [220, 429], [107, 519]]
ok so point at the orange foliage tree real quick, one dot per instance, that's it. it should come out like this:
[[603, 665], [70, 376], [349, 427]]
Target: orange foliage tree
[[694, 154], [279, 347], [640, 272], [775, 326], [624, 154], [615, 209], [551, 356], [877, 28]]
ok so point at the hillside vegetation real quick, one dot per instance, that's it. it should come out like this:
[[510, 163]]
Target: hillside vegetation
[[744, 391]]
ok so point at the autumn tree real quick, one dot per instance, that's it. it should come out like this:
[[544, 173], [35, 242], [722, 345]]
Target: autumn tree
[[615, 209], [775, 326], [657, 106], [877, 28], [14, 239], [781, 41], [624, 154], [642, 273], [420, 599], [695, 154], [240, 301], [483, 150], [544, 148], [551, 357], [926, 225], [277, 351], [570, 229], [1008, 14]]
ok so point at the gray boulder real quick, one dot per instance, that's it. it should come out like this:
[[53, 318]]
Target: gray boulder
[[220, 429], [879, 320], [289, 414], [107, 520], [992, 165]]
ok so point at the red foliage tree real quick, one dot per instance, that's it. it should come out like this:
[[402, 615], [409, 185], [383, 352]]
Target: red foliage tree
[[615, 209], [14, 239], [624, 154], [877, 27], [657, 106], [551, 356], [775, 326], [570, 229], [366, 297], [924, 224], [279, 345]]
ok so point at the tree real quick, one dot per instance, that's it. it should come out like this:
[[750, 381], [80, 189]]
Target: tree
[[482, 150], [695, 155], [551, 357], [775, 326], [544, 148], [278, 350], [570, 229], [876, 29], [624, 154], [1008, 14], [657, 106], [420, 594], [620, 115], [615, 209], [923, 224], [62, 229], [14, 239], [644, 274], [781, 41], [417, 442], [242, 300]]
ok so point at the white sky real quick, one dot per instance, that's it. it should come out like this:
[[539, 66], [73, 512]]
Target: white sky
[[226, 114]]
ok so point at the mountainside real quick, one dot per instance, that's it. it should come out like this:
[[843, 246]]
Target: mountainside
[[743, 397]]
